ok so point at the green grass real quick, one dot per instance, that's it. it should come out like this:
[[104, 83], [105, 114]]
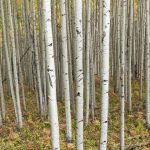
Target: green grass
[[35, 135]]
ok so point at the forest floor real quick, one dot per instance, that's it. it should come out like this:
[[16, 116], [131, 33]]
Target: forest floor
[[35, 134]]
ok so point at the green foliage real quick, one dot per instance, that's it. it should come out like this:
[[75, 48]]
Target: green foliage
[[36, 132]]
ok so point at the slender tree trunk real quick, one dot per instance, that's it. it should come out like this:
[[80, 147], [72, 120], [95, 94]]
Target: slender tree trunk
[[39, 84], [51, 75], [88, 47], [20, 76], [3, 111], [122, 77], [79, 74], [147, 63], [130, 56], [105, 75], [66, 81], [15, 67]]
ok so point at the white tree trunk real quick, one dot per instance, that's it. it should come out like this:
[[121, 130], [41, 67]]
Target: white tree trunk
[[79, 74], [20, 76], [122, 77], [7, 59], [130, 55], [51, 75], [105, 74], [3, 110], [147, 64], [38, 76], [19, 113], [66, 84], [88, 47]]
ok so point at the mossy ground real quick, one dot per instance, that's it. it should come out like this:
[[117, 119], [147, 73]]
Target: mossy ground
[[35, 134]]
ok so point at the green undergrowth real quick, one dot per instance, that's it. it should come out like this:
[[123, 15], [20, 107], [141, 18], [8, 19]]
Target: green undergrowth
[[35, 134]]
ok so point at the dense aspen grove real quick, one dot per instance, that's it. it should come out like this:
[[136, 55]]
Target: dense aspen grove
[[75, 74]]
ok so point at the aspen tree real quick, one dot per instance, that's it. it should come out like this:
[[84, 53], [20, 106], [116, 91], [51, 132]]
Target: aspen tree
[[141, 50], [122, 77], [20, 76], [147, 63], [38, 74], [79, 74], [16, 103], [105, 75], [52, 99], [66, 81], [70, 55], [15, 67], [118, 44], [88, 47], [130, 55], [42, 47], [3, 110]]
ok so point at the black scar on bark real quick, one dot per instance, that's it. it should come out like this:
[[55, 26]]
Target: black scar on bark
[[78, 32], [50, 44], [80, 121], [78, 94]]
